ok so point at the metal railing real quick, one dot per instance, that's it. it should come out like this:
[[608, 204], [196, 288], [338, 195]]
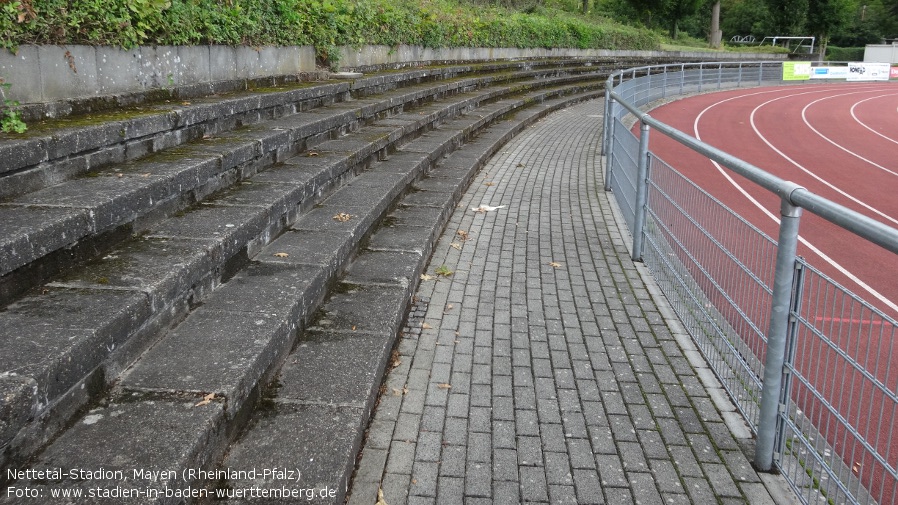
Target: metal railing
[[812, 367]]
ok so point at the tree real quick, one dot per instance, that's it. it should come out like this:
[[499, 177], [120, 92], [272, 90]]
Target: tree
[[745, 17], [788, 16], [826, 17], [676, 10]]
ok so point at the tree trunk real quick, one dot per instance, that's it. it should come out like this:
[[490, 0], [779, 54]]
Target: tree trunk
[[716, 34], [585, 8]]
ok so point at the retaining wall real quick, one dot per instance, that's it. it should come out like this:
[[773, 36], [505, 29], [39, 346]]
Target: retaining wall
[[49, 73]]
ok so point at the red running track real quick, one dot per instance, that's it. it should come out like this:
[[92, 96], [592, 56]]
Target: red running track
[[841, 142]]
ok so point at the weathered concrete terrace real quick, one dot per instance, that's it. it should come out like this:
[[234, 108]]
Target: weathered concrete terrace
[[218, 282]]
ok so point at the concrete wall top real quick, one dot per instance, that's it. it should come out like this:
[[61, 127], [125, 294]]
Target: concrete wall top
[[42, 74], [48, 73], [354, 58]]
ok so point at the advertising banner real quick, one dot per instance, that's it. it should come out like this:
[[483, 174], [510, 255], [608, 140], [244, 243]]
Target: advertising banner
[[894, 73], [868, 71], [796, 70], [830, 73]]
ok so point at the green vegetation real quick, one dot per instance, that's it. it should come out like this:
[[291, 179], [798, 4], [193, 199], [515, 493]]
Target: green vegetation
[[10, 120], [324, 24]]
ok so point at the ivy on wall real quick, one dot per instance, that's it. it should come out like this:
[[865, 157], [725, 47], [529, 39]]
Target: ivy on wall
[[324, 24]]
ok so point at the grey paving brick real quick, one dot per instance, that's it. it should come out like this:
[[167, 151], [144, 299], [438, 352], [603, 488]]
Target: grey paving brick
[[533, 484], [424, 479], [401, 458], [589, 489], [453, 460], [530, 451], [505, 464], [562, 494]]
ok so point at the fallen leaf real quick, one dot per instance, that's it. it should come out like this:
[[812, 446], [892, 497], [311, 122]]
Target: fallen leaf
[[380, 497], [425, 277], [489, 183], [443, 270], [206, 400], [444, 386], [520, 165], [207, 136], [280, 255], [342, 217], [426, 326], [462, 234], [311, 153], [455, 245], [449, 306], [555, 264], [119, 175], [185, 103]]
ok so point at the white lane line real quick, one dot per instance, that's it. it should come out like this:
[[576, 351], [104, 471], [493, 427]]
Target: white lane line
[[807, 171], [869, 289], [865, 124], [849, 151]]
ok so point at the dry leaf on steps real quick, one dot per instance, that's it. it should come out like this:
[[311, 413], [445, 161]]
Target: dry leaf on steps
[[280, 255], [206, 400], [380, 497]]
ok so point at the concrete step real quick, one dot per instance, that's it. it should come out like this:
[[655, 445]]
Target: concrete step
[[57, 148], [87, 325], [48, 230], [201, 383]]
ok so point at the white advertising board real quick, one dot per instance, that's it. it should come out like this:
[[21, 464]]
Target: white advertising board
[[868, 72]]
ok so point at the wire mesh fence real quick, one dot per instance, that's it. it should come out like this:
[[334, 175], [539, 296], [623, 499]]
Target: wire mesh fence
[[837, 412]]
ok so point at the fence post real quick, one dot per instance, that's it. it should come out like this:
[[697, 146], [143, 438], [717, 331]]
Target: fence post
[[641, 190], [787, 245], [791, 343], [682, 77], [701, 76], [609, 132], [664, 86], [606, 119]]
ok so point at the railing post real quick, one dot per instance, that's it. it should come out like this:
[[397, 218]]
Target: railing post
[[606, 119], [701, 76], [791, 343], [641, 191], [609, 156], [664, 86], [787, 245], [682, 77]]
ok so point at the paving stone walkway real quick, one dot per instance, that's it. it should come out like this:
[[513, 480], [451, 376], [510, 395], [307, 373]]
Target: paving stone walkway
[[542, 370]]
